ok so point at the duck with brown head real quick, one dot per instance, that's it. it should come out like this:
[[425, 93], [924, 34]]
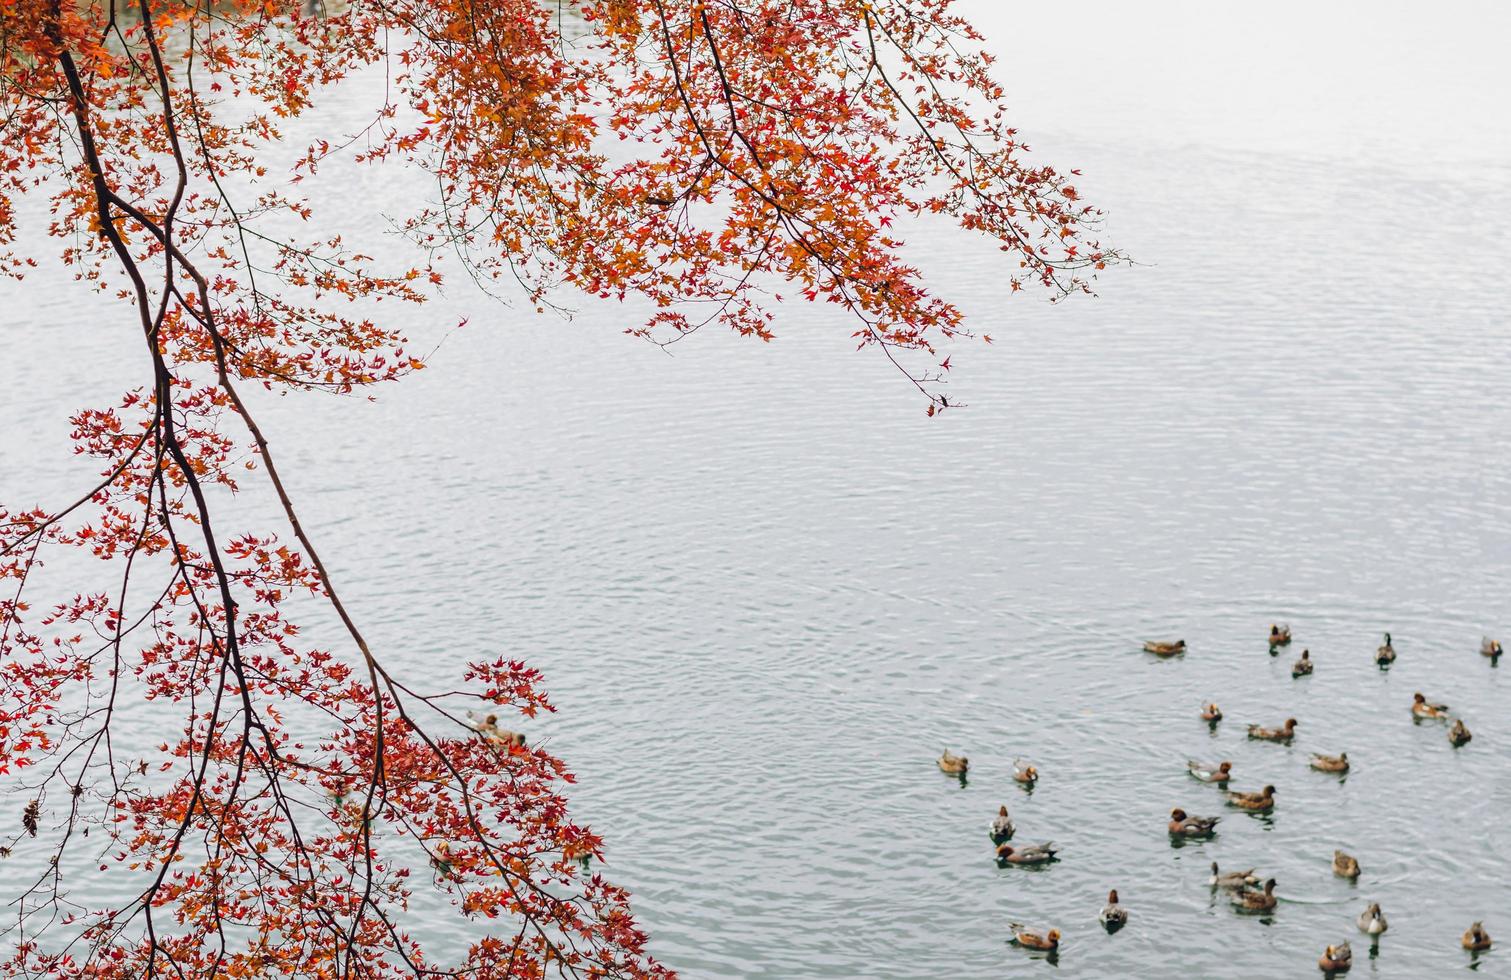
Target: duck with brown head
[[1284, 733], [1002, 827], [1336, 959], [1034, 938], [1183, 824], [1255, 901], [1476, 939], [1113, 916], [953, 765], [1210, 772], [1260, 802], [1423, 708], [1345, 865]]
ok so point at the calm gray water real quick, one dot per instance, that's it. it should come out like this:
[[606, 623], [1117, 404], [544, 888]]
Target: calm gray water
[[766, 590]]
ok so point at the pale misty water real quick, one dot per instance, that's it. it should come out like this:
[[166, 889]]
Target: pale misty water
[[766, 590]]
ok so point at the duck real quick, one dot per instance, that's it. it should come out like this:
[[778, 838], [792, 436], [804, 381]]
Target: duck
[[1027, 854], [1459, 733], [1113, 916], [487, 726], [1386, 654], [1184, 825], [1302, 667], [1337, 959], [1263, 801], [1209, 772], [1330, 763], [1490, 648], [1025, 773], [1002, 827], [441, 859], [1232, 879], [1423, 708], [1345, 865], [1372, 920], [955, 765], [1284, 733], [1254, 901], [1164, 649], [1211, 714], [1033, 938], [1476, 938], [1280, 634]]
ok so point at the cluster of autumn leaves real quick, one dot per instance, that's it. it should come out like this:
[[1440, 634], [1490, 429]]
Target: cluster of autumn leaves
[[704, 157]]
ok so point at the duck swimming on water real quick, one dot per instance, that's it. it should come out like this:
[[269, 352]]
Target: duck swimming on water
[[1423, 708], [1210, 772], [1027, 854], [1344, 865], [1163, 648], [1330, 763], [1232, 879], [1302, 667], [1002, 827], [1262, 801], [1386, 654], [1284, 733], [1337, 959], [1476, 938], [1113, 916], [1372, 920], [487, 726], [1184, 825], [1033, 938], [1258, 901], [955, 765]]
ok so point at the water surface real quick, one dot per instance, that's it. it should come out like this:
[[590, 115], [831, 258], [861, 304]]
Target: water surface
[[766, 590]]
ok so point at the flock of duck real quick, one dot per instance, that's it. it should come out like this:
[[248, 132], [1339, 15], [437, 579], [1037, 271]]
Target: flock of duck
[[1247, 892]]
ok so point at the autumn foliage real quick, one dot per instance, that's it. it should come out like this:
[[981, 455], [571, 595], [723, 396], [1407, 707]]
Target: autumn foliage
[[708, 157]]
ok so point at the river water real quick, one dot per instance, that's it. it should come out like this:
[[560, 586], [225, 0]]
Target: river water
[[766, 590]]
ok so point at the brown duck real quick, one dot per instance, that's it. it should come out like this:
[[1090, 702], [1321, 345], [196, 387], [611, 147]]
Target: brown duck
[[1330, 763], [1337, 959], [955, 765], [1033, 938], [1476, 938], [1423, 708], [1261, 802], [1344, 865], [1284, 733], [1257, 901]]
